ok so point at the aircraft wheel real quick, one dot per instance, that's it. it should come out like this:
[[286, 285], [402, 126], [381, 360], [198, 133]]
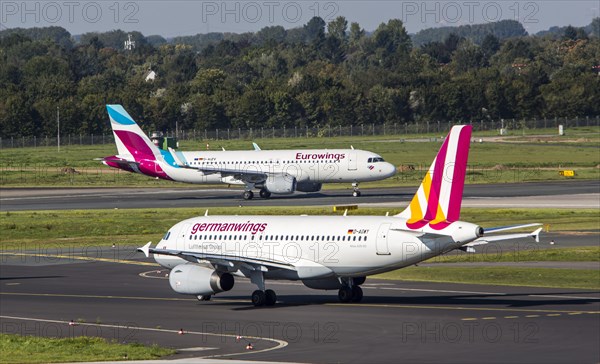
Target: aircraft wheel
[[258, 298], [204, 297], [264, 193], [357, 294], [270, 297], [356, 194], [345, 294], [248, 195]]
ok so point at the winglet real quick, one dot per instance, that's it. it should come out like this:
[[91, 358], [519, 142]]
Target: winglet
[[536, 235], [256, 147], [206, 213], [179, 162], [145, 249]]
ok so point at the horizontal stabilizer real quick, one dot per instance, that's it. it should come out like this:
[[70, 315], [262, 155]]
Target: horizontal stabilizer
[[487, 239], [511, 227], [145, 249]]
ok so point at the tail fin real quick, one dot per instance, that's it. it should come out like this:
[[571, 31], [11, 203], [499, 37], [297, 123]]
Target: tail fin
[[129, 137], [438, 199]]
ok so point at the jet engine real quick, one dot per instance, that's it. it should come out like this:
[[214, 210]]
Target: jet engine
[[196, 280], [309, 187], [282, 184]]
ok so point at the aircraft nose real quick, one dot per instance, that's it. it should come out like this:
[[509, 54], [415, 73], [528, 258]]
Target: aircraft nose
[[389, 170]]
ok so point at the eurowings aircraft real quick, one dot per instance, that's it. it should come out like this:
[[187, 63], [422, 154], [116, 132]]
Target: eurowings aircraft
[[270, 171], [326, 252]]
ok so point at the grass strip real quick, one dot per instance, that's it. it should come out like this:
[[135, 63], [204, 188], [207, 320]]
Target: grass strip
[[533, 158], [32, 349], [578, 254], [21, 229], [503, 276]]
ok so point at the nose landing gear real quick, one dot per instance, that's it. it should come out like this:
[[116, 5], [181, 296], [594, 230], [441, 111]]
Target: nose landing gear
[[356, 192]]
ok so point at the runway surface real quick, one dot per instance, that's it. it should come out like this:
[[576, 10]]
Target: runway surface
[[566, 194], [397, 321]]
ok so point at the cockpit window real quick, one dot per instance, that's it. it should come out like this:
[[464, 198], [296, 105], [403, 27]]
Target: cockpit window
[[166, 237], [375, 160]]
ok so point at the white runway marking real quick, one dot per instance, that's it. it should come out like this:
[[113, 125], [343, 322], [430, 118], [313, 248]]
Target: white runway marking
[[280, 343]]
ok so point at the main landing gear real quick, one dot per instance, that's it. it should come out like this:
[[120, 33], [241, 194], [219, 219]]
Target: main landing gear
[[262, 296], [356, 192], [249, 195], [351, 291]]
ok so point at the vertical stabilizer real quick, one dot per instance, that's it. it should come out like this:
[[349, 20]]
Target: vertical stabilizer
[[129, 137], [438, 199]]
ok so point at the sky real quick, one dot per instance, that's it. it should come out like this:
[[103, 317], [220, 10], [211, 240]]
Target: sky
[[189, 17]]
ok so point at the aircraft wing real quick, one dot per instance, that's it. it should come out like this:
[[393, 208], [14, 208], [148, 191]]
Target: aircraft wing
[[217, 259]]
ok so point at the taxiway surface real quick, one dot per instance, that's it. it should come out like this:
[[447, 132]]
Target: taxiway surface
[[567, 194], [126, 298], [397, 321]]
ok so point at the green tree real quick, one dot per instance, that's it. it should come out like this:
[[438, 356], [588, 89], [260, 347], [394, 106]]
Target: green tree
[[392, 43], [356, 33], [337, 28]]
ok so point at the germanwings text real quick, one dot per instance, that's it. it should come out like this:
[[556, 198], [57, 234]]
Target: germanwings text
[[228, 227]]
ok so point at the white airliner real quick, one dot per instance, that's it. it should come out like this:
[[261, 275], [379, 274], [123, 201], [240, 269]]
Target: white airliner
[[326, 252], [270, 171]]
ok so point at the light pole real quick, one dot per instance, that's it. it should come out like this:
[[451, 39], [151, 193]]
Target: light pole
[[58, 127]]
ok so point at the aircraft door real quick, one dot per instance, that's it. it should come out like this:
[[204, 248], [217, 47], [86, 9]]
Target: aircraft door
[[352, 161], [181, 237], [382, 239]]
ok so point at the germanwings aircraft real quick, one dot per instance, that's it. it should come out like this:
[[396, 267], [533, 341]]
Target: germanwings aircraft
[[270, 171], [326, 252]]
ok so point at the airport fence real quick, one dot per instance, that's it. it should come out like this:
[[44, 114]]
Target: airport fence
[[387, 129]]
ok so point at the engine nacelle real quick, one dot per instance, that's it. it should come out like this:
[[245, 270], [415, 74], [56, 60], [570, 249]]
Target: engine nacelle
[[309, 187], [282, 184], [197, 280]]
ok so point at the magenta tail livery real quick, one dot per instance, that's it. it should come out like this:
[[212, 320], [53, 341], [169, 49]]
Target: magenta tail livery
[[269, 171], [437, 202], [206, 253]]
